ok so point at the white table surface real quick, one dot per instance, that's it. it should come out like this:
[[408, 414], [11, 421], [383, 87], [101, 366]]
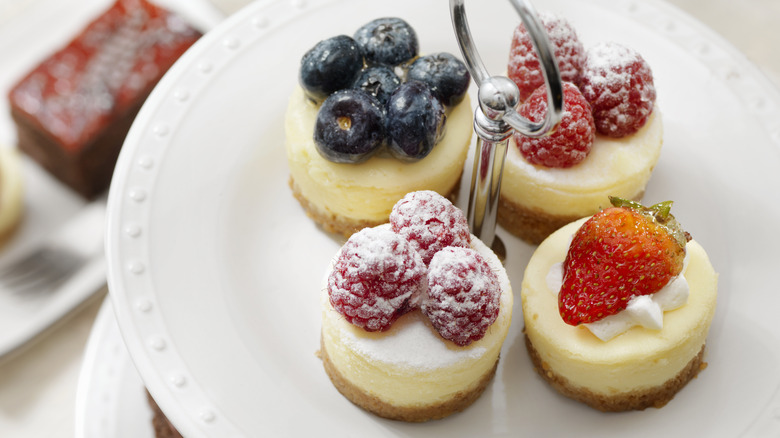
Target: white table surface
[[38, 383]]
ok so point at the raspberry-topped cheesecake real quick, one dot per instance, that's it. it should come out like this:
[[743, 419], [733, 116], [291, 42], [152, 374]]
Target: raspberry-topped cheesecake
[[608, 142], [414, 313], [370, 121], [618, 306]]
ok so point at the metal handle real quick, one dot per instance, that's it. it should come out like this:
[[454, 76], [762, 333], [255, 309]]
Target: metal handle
[[496, 116]]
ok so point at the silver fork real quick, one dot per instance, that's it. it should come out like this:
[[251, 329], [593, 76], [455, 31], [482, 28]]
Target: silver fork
[[60, 256]]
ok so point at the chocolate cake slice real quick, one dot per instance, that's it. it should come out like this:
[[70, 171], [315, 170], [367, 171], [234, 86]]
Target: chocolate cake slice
[[73, 111], [162, 426]]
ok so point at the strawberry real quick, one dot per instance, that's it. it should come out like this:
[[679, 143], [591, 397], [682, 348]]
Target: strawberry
[[623, 251]]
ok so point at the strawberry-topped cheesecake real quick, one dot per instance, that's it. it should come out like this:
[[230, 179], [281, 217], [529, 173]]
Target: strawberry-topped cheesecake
[[618, 306], [372, 120], [414, 313], [607, 143]]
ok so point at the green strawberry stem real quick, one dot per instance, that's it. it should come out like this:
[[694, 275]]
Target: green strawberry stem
[[661, 214]]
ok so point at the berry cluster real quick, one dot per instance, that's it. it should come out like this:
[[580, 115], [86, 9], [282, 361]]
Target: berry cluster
[[614, 82], [424, 260], [374, 90]]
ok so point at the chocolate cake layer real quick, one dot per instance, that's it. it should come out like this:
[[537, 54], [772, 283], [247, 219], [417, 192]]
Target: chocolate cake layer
[[75, 108]]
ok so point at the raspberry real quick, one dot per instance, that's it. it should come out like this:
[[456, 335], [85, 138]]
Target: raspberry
[[463, 295], [429, 222], [573, 139], [524, 67], [618, 84], [376, 278]]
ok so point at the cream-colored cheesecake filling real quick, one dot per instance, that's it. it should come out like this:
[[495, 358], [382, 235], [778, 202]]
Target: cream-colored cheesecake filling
[[410, 364], [637, 359], [11, 189], [614, 167], [368, 191]]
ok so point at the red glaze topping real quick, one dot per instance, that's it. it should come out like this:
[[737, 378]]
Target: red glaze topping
[[115, 61]]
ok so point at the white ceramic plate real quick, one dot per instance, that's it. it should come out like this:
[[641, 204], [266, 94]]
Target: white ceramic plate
[[110, 397], [215, 270]]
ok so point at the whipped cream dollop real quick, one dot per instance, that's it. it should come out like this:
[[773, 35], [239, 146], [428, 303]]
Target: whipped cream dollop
[[644, 310]]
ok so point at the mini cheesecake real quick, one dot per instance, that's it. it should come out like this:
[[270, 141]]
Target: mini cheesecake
[[537, 200], [410, 372], [344, 197], [414, 313], [637, 369]]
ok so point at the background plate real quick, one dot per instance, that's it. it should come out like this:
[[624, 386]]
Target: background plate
[[215, 270], [110, 398], [48, 204]]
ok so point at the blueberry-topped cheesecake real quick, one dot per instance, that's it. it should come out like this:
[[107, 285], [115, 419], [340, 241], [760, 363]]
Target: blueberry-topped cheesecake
[[371, 120]]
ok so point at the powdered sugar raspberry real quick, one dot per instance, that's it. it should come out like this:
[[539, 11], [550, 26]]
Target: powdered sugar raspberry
[[429, 222], [523, 67], [572, 140], [376, 278], [463, 295], [618, 84]]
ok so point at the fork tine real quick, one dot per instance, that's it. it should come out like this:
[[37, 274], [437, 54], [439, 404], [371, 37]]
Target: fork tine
[[21, 268], [60, 256], [41, 282], [42, 269]]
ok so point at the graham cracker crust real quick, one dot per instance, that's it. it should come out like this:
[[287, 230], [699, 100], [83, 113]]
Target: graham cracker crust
[[655, 397], [416, 414], [345, 226], [533, 225]]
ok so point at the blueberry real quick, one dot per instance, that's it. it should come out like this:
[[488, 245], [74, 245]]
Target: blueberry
[[331, 65], [379, 81], [350, 126], [415, 121], [389, 41], [447, 76]]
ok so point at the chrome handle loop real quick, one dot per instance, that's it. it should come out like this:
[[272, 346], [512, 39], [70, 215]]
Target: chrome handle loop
[[498, 103]]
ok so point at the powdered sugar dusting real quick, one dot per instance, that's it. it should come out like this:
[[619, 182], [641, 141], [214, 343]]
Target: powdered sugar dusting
[[429, 222], [523, 67], [618, 83], [571, 142], [412, 343], [463, 295], [375, 279]]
